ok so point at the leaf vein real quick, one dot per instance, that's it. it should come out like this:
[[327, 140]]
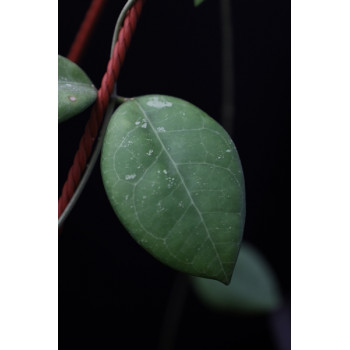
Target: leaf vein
[[184, 184]]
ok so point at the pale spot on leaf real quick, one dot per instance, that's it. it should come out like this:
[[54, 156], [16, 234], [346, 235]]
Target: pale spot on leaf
[[130, 177], [157, 103]]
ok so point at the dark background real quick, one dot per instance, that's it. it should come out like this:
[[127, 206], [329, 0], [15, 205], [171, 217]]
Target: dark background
[[112, 294]]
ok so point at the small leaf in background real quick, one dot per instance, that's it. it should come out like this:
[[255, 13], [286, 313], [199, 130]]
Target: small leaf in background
[[253, 287], [75, 90], [174, 179], [197, 2]]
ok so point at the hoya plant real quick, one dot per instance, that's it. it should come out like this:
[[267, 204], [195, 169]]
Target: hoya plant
[[172, 174]]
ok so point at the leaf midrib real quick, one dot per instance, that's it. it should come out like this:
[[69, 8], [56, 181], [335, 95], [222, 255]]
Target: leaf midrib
[[184, 184]]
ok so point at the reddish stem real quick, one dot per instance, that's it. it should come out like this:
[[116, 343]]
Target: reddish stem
[[87, 26]]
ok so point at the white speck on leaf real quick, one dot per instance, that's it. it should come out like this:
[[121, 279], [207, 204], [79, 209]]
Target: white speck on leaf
[[149, 152], [157, 103], [160, 129], [72, 98], [228, 151], [130, 177], [170, 181], [164, 171], [137, 123], [144, 125]]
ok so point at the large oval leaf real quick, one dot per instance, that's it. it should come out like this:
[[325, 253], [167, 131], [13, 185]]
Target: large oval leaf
[[253, 287], [75, 90], [174, 178]]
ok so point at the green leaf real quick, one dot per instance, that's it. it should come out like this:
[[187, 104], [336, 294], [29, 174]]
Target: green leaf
[[197, 2], [75, 90], [253, 287], [174, 179]]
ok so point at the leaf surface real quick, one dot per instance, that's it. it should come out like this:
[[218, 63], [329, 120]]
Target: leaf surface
[[75, 90], [253, 287], [174, 179]]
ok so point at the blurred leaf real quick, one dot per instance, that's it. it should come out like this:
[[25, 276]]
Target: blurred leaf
[[75, 90], [197, 2], [174, 178], [253, 287]]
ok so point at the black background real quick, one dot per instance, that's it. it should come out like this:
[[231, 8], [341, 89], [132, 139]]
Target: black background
[[112, 294]]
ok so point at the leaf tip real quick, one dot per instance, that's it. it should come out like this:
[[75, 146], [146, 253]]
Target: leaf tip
[[226, 279]]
